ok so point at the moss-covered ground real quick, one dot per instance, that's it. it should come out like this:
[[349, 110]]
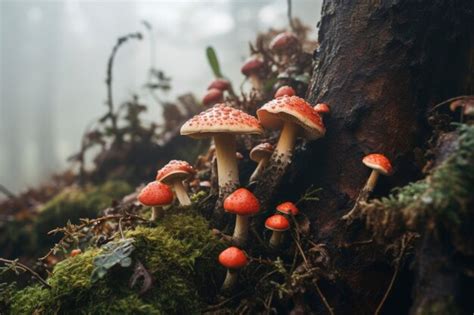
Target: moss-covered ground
[[179, 252]]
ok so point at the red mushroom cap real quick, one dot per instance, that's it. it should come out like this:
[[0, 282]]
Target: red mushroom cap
[[213, 96], [75, 252], [220, 84], [175, 169], [242, 202], [260, 151], [287, 207], [233, 258], [251, 66], [221, 118], [322, 108], [283, 41], [156, 194], [378, 162], [277, 222], [294, 109], [285, 90]]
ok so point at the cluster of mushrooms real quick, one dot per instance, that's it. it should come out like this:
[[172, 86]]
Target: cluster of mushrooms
[[223, 123]]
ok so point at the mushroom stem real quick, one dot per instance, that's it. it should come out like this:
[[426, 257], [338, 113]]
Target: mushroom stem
[[372, 181], [227, 171], [241, 230], [259, 169], [286, 142], [230, 279], [181, 193], [275, 240], [156, 212], [363, 195], [256, 82]]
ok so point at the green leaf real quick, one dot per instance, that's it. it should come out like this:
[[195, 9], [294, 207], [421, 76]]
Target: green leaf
[[213, 61], [114, 254]]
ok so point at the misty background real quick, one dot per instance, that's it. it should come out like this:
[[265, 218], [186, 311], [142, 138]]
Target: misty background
[[53, 61]]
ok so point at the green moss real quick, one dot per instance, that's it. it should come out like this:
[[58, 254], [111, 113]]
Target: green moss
[[180, 253], [72, 204]]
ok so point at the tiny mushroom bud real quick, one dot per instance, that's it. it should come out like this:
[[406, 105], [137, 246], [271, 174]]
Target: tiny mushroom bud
[[213, 96], [295, 117], [285, 90], [155, 195], [252, 69], [233, 259], [75, 252], [287, 208], [173, 174], [243, 204], [220, 84], [260, 154], [223, 123], [278, 224], [322, 108]]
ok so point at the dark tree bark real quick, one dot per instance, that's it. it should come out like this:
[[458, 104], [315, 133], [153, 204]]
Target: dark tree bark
[[381, 66]]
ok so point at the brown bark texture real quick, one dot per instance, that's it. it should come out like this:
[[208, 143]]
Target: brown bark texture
[[381, 66]]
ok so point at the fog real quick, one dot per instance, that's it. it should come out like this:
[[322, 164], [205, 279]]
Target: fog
[[53, 62]]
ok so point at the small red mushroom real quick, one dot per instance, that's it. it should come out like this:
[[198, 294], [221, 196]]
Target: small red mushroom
[[173, 174], [287, 208], [284, 90], [213, 96], [278, 224], [252, 69], [322, 108], [220, 84], [75, 252], [379, 164], [243, 204], [156, 195], [233, 259], [285, 45]]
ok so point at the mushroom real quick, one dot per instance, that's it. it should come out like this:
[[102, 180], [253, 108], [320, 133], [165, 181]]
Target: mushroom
[[222, 123], [322, 108], [252, 69], [287, 208], [284, 90], [285, 44], [220, 84], [260, 154], [173, 174], [213, 96], [243, 204], [379, 164], [156, 195], [296, 118], [233, 259], [466, 105], [278, 224], [75, 252]]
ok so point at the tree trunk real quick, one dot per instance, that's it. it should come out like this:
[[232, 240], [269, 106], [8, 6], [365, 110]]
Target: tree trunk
[[381, 66]]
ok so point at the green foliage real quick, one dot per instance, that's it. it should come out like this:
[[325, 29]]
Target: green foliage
[[213, 62], [180, 253], [113, 253]]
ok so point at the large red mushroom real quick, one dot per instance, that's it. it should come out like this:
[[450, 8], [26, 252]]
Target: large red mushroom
[[173, 174], [223, 123]]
